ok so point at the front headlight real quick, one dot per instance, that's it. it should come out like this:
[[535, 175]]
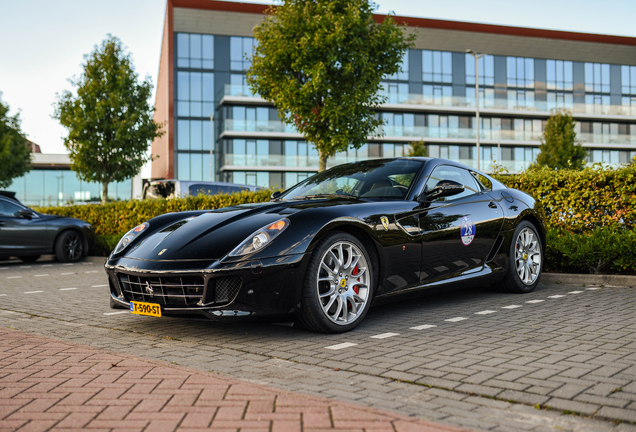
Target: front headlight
[[130, 236], [260, 238]]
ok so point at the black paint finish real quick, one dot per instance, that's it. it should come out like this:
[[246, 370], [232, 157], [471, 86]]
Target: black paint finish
[[420, 247]]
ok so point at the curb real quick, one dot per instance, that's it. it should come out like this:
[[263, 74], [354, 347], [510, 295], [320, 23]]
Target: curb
[[589, 279]]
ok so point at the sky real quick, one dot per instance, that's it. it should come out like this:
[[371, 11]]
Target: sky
[[43, 42]]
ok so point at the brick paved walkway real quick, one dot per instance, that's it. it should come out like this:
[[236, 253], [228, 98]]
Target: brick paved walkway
[[48, 384]]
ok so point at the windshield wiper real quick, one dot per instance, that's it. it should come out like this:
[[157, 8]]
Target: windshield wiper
[[325, 196]]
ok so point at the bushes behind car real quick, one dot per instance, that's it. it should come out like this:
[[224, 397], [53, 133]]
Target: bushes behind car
[[591, 215]]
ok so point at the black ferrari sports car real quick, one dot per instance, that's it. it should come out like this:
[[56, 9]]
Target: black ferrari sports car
[[327, 248], [27, 234]]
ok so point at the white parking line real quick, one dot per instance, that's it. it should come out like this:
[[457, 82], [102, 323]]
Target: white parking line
[[486, 312], [99, 286], [33, 292], [4, 268], [535, 301], [14, 277], [556, 296], [25, 266], [456, 319], [46, 274], [65, 274], [511, 307], [92, 271], [116, 313], [341, 346], [47, 265], [384, 335], [423, 327], [592, 289], [67, 289], [575, 292], [3, 295], [68, 264]]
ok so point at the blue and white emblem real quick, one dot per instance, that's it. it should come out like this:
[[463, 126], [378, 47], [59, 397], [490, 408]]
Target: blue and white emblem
[[468, 230]]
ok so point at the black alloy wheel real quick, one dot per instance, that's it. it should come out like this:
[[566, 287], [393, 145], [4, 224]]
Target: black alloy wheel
[[69, 246]]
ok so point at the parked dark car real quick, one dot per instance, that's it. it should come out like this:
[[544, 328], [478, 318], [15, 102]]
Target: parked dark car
[[327, 248], [27, 234]]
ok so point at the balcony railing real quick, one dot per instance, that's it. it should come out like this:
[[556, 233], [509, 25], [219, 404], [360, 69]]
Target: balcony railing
[[426, 132], [271, 160], [469, 103], [257, 126]]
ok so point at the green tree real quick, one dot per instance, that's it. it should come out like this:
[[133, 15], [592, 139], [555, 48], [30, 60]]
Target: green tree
[[15, 156], [110, 123], [320, 63], [559, 146], [417, 148]]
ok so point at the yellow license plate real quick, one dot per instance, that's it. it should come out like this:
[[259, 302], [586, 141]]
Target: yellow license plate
[[150, 309]]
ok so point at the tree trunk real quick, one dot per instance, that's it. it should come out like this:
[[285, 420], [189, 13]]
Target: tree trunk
[[104, 192], [322, 160]]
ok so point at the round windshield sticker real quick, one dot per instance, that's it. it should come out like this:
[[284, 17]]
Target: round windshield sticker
[[467, 231]]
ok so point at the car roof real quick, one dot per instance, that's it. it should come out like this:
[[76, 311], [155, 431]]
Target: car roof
[[10, 196]]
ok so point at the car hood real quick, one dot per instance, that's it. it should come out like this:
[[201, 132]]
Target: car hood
[[213, 234]]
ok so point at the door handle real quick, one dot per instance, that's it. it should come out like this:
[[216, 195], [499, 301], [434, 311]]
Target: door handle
[[492, 205]]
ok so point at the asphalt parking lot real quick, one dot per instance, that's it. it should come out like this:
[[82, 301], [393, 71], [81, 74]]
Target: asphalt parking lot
[[560, 358]]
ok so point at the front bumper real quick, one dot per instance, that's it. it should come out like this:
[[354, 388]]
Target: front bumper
[[269, 287]]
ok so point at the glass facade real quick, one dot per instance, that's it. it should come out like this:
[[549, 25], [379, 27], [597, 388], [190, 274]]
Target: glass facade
[[436, 93], [44, 187]]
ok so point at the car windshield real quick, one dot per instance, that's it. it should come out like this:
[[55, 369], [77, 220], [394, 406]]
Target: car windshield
[[382, 178]]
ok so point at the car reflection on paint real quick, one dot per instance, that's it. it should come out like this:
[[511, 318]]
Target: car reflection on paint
[[326, 249]]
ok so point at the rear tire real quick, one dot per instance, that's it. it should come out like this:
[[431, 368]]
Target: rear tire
[[339, 285], [29, 258], [69, 246], [525, 261]]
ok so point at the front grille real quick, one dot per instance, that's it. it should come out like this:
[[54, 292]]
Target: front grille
[[173, 291], [224, 289]]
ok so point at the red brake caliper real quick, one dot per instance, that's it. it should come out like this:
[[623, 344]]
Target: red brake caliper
[[355, 272]]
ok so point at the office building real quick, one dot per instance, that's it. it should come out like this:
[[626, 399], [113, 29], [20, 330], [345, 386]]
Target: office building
[[218, 130]]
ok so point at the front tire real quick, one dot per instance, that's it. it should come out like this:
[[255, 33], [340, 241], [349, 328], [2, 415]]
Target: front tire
[[525, 261], [338, 286], [69, 246]]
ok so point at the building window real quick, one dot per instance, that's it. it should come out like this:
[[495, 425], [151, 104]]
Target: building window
[[241, 51], [193, 166], [628, 86], [293, 178], [486, 70], [300, 154], [195, 94], [520, 72], [437, 67], [597, 78], [251, 178], [403, 74], [193, 134], [398, 124], [195, 51], [559, 75]]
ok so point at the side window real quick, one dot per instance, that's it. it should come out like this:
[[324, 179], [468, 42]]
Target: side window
[[461, 176], [483, 180], [9, 209]]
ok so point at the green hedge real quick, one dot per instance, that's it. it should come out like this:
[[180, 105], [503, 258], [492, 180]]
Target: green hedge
[[577, 201], [591, 215]]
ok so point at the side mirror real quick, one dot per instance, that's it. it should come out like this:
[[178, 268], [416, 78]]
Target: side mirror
[[444, 188], [26, 214], [275, 195]]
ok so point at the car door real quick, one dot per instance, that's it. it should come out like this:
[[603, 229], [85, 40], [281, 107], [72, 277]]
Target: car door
[[459, 231], [19, 234]]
